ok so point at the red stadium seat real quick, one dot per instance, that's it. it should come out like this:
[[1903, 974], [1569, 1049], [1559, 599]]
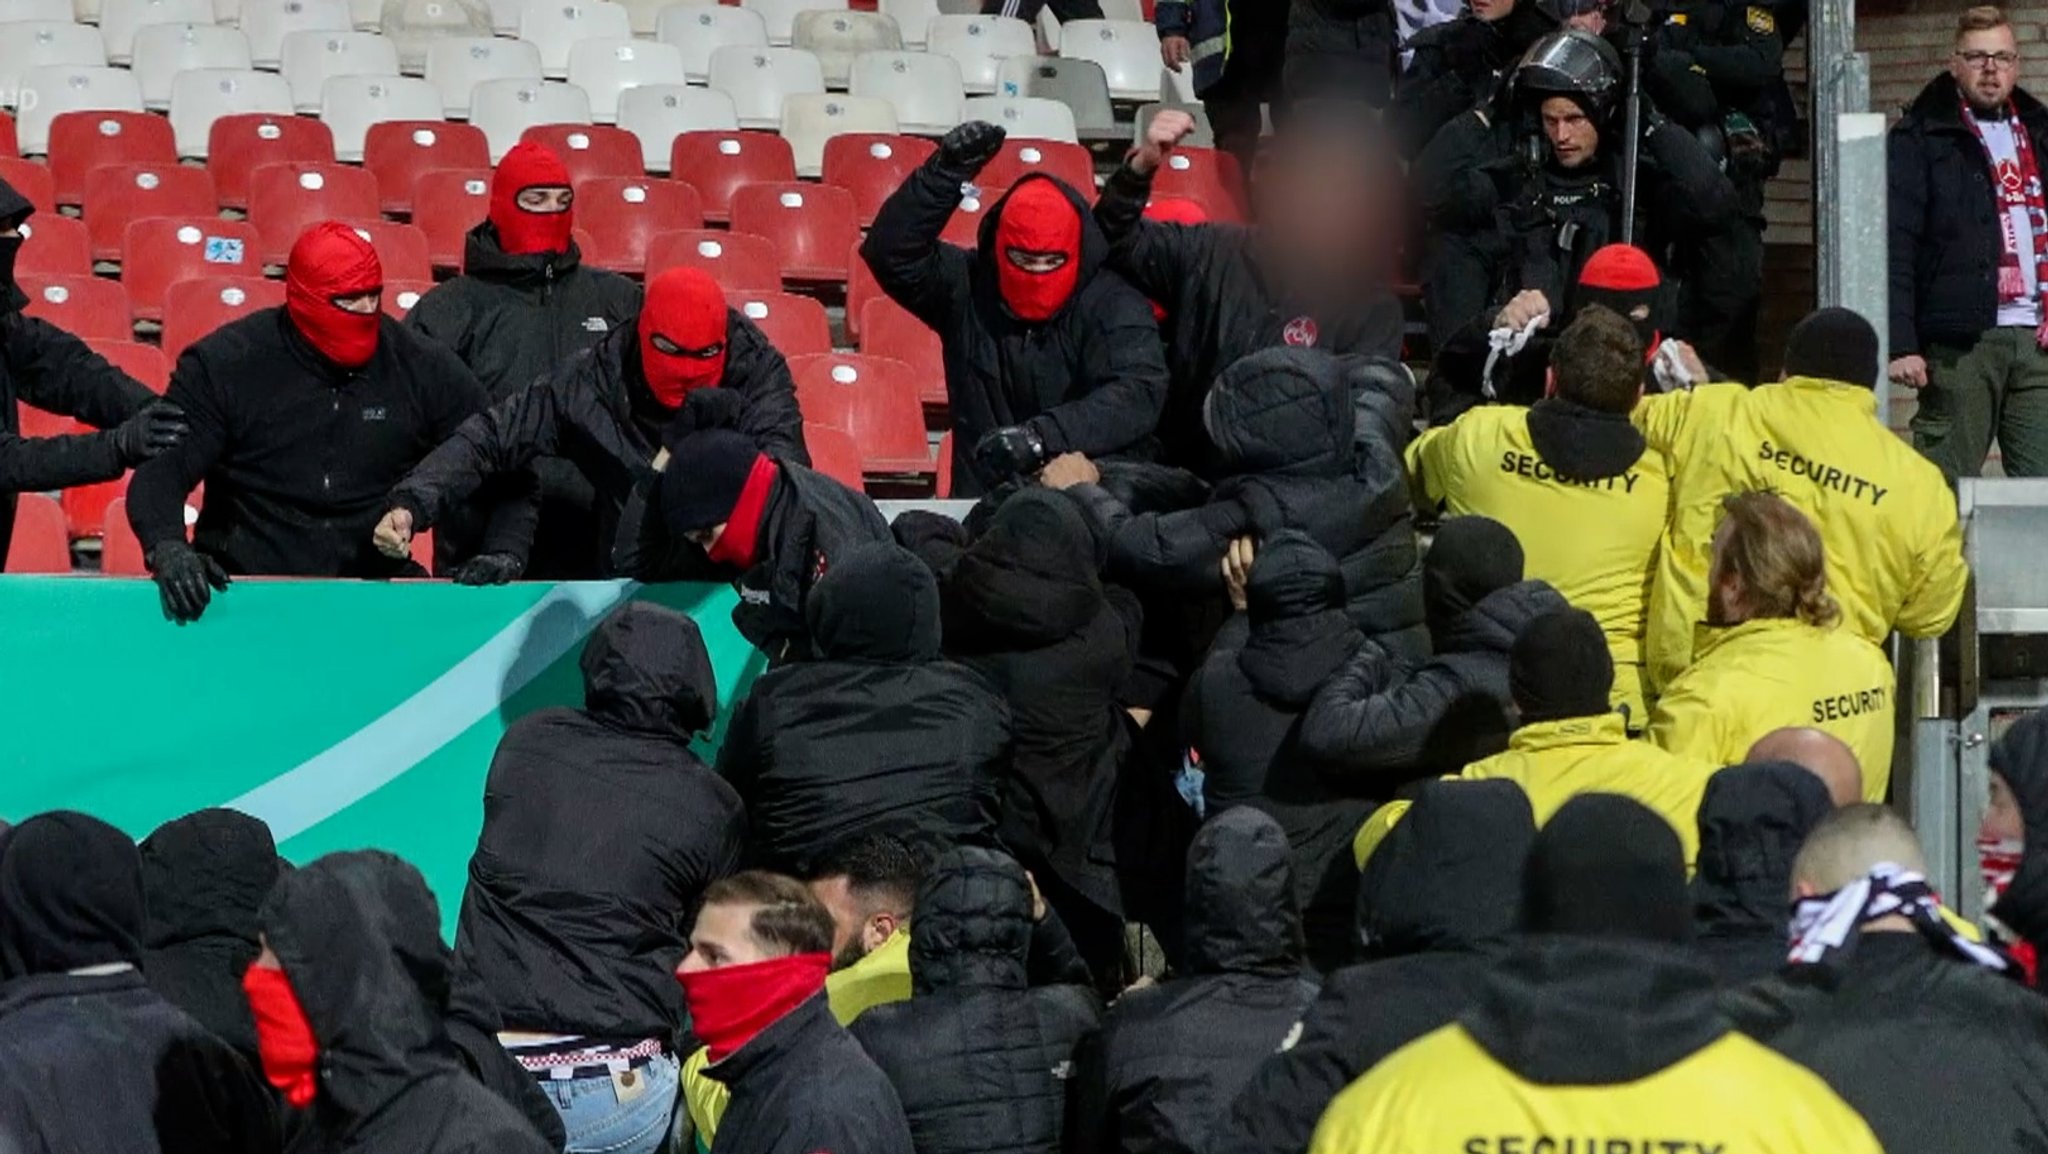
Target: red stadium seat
[[196, 307], [83, 141], [590, 151], [873, 165], [813, 226], [9, 146], [238, 145], [1021, 157], [873, 398], [401, 295], [1205, 175], [398, 151], [286, 199], [146, 363], [447, 203], [37, 423], [623, 215], [887, 329], [401, 249], [860, 289], [164, 250], [942, 488], [40, 544], [120, 552], [834, 454], [87, 307], [716, 163], [117, 194], [795, 325], [738, 262], [965, 227], [56, 246], [85, 506], [31, 180]]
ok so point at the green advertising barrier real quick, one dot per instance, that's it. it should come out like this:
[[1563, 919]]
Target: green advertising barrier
[[345, 714]]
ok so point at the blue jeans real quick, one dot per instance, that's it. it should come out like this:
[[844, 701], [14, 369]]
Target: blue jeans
[[629, 1113]]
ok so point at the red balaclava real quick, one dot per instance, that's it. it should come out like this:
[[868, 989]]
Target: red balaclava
[[1622, 277], [1038, 217], [332, 260], [1174, 210], [284, 1038], [682, 334], [519, 231], [732, 1004]]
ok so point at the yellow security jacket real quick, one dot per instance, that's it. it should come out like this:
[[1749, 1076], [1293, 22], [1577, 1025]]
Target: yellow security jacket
[[1776, 672], [1555, 761], [1885, 514], [1595, 543]]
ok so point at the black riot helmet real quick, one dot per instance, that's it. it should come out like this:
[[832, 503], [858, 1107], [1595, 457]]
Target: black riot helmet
[[1570, 63]]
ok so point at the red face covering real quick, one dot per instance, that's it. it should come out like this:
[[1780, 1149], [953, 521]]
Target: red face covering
[[682, 334], [520, 231], [741, 540], [332, 260], [732, 1004], [284, 1038], [1038, 218]]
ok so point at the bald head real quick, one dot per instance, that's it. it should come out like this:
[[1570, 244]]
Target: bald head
[[1849, 843], [1819, 753]]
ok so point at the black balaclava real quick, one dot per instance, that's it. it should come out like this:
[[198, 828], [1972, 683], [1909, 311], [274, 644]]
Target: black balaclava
[[1606, 866], [70, 896], [1560, 667], [1470, 558]]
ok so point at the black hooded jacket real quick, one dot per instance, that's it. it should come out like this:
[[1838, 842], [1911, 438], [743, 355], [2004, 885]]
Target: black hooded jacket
[[594, 412], [1025, 607], [1385, 721], [601, 829], [2021, 758], [100, 1062], [979, 1057], [1306, 441], [804, 1086], [357, 935], [205, 876], [1240, 715], [1169, 1059], [1438, 900], [1753, 819], [1089, 380], [877, 734], [1458, 65]]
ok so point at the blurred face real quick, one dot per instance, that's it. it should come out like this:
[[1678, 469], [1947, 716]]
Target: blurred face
[[2002, 820], [1319, 211], [546, 199], [1492, 10], [1571, 133], [724, 936], [1986, 66]]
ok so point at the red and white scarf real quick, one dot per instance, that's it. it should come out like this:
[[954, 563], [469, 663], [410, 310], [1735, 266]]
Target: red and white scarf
[[2029, 195]]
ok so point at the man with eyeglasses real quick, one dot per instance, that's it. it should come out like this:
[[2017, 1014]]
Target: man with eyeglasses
[[1969, 257]]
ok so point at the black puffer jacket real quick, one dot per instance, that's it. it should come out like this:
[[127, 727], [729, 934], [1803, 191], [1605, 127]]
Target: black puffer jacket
[[601, 829], [1945, 234], [1340, 50], [1089, 380], [1239, 717], [877, 734], [804, 1086], [357, 936], [1385, 721], [1169, 1059], [979, 1057], [1306, 440], [1026, 609], [1753, 819], [205, 876], [1439, 899]]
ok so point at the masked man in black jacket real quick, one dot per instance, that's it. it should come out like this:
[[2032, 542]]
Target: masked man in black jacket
[[601, 831], [1047, 352], [1753, 819], [205, 876], [302, 418], [611, 411]]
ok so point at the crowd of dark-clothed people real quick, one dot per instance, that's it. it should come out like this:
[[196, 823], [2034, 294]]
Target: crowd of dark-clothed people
[[1246, 770]]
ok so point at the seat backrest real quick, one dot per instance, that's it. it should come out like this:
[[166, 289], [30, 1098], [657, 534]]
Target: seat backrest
[[811, 119], [310, 57], [556, 26], [716, 163], [980, 44], [924, 87], [657, 113], [812, 226], [41, 542], [203, 95], [1025, 117], [506, 108], [350, 105], [623, 215], [83, 141], [1128, 51], [833, 453], [121, 19], [401, 249], [164, 50], [1021, 156], [397, 152], [146, 363], [701, 30], [1201, 174], [458, 64], [606, 69], [873, 398], [53, 245], [780, 15], [26, 44], [118, 193], [887, 329], [159, 251], [1078, 84], [267, 22], [589, 150], [415, 26], [835, 38], [120, 550], [31, 180], [447, 203], [49, 92], [913, 18], [737, 261], [964, 229], [51, 11], [871, 166], [88, 307], [795, 325], [401, 295], [286, 199], [758, 79], [196, 306]]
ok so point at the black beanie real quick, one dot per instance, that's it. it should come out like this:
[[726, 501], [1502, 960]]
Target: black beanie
[[1833, 344], [706, 471], [1470, 557], [1560, 667], [1606, 866]]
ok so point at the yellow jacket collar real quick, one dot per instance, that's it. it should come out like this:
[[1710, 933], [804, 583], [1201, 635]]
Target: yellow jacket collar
[[1605, 729], [1707, 638], [1837, 392]]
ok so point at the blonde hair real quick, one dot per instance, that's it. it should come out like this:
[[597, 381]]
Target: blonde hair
[[1776, 553], [1983, 18]]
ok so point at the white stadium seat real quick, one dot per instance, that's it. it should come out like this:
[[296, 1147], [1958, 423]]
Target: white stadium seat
[[164, 50], [835, 38], [27, 44], [657, 113], [556, 25], [415, 26], [605, 69], [309, 58], [979, 44], [457, 65], [913, 17], [646, 14], [1127, 50], [204, 95], [267, 22], [1025, 117], [506, 108], [49, 92], [700, 31], [15, 11], [780, 15], [809, 120], [757, 79], [349, 105], [120, 19], [924, 87]]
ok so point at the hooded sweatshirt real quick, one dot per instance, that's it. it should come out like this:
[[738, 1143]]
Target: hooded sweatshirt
[[1169, 1059], [1753, 819], [205, 876], [601, 829], [878, 734]]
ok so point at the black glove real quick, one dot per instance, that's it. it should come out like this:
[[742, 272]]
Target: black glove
[[705, 409], [1010, 452], [964, 151], [185, 580], [489, 569], [156, 428]]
